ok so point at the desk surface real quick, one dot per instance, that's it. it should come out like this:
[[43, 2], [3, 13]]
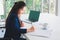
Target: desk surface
[[2, 24], [53, 22]]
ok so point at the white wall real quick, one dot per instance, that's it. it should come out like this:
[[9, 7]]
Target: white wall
[[58, 7]]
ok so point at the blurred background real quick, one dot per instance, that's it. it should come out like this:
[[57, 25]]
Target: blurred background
[[44, 6]]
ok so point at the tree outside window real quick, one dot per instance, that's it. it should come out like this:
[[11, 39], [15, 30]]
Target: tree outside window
[[44, 6]]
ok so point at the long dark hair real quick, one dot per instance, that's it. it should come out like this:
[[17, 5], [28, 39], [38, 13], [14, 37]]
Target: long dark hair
[[18, 5]]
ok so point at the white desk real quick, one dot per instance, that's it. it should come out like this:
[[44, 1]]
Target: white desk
[[53, 23], [39, 33]]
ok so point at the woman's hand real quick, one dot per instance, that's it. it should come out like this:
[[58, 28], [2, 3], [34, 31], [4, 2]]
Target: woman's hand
[[32, 29], [22, 24]]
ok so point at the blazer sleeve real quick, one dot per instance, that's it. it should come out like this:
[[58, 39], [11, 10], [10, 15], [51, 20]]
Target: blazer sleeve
[[17, 27]]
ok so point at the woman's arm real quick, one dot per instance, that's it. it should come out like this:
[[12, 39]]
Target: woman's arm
[[19, 27], [16, 24]]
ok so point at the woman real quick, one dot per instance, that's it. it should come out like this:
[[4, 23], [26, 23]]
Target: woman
[[13, 24]]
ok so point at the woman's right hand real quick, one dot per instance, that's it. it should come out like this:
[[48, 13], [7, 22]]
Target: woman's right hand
[[32, 29]]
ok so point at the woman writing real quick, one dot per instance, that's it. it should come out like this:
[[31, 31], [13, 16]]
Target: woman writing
[[13, 24]]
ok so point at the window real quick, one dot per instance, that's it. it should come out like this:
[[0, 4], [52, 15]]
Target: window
[[9, 5], [34, 4], [1, 8], [44, 6], [52, 6]]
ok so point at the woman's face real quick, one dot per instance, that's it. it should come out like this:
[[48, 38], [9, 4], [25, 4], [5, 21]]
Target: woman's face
[[22, 10]]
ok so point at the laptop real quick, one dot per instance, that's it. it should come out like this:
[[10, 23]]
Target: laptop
[[34, 16]]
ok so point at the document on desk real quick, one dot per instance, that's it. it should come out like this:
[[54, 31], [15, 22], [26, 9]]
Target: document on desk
[[41, 33]]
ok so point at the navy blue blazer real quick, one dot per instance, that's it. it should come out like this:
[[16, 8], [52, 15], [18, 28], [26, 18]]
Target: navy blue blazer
[[13, 26]]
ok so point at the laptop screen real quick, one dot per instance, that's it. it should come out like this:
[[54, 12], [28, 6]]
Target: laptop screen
[[34, 16]]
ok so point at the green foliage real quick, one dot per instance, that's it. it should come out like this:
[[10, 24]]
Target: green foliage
[[31, 4]]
